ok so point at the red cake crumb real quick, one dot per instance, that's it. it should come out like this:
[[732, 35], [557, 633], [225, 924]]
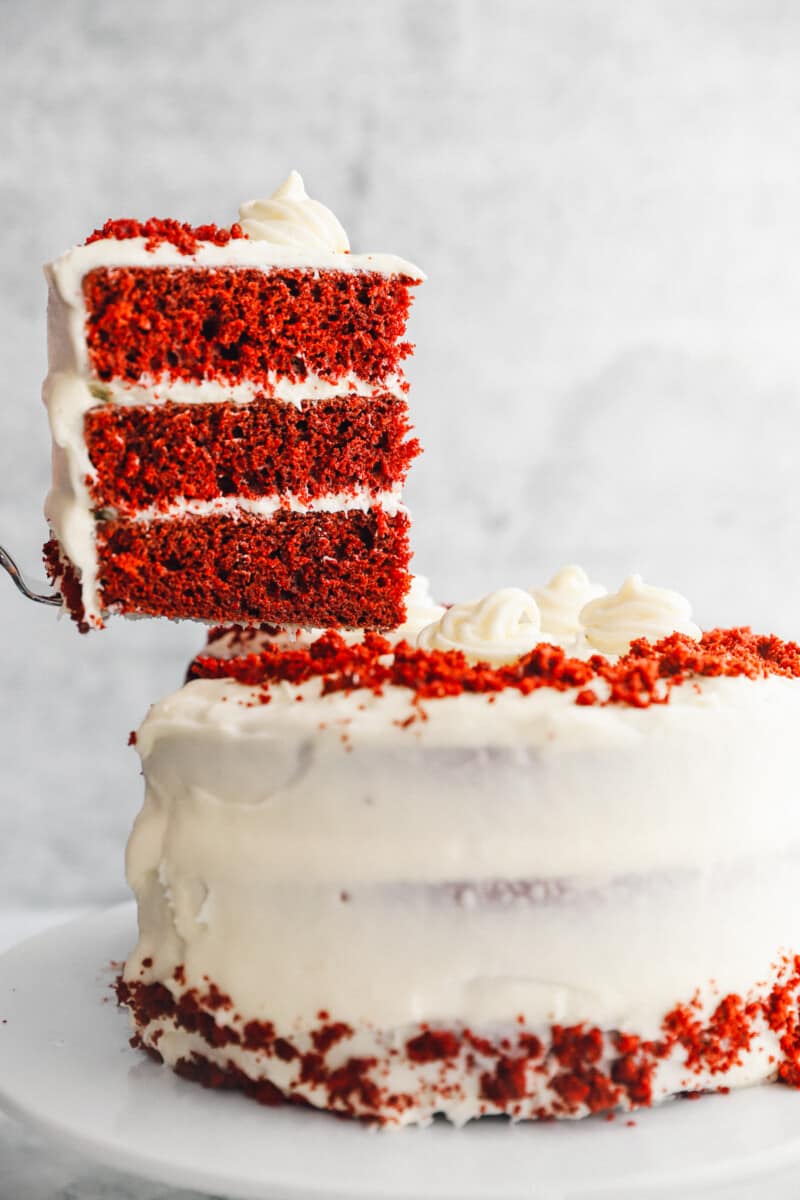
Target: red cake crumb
[[329, 1035], [186, 238], [783, 1017], [346, 568], [509, 1069], [433, 1045], [244, 324], [351, 1083], [643, 676], [507, 1082], [284, 1050], [229, 1078], [63, 575], [152, 456], [717, 1046]]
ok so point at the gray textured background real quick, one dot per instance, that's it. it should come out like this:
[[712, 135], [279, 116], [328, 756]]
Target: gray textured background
[[606, 198]]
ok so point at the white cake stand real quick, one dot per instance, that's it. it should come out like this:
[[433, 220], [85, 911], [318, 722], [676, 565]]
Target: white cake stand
[[66, 1066]]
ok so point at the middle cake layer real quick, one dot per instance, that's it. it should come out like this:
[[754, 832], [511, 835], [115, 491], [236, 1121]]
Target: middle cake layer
[[157, 455]]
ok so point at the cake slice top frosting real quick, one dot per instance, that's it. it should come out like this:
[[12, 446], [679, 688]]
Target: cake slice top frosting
[[286, 230]]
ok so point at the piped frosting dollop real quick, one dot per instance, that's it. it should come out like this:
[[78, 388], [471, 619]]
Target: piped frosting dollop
[[289, 217], [562, 599], [637, 610], [497, 629]]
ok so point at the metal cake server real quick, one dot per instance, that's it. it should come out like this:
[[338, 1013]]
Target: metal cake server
[[8, 564]]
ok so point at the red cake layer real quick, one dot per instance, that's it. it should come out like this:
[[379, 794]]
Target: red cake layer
[[338, 569], [562, 1071], [243, 324], [154, 455]]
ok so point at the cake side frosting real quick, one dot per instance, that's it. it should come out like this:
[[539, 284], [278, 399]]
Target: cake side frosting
[[632, 761], [411, 1073]]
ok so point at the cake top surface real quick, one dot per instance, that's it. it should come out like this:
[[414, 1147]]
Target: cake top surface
[[633, 647], [157, 230], [285, 230], [645, 675]]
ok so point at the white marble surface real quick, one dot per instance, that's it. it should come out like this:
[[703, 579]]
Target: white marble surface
[[606, 197]]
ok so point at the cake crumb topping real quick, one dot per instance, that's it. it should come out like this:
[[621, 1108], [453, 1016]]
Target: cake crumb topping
[[644, 676], [185, 238]]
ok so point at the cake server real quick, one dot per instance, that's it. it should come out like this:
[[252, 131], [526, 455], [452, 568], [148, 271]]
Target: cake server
[[8, 564]]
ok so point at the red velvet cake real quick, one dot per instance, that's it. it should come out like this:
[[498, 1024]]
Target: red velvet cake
[[229, 420], [542, 863]]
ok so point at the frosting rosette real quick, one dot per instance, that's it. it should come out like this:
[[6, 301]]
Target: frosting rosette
[[497, 629], [289, 217], [562, 599], [637, 610]]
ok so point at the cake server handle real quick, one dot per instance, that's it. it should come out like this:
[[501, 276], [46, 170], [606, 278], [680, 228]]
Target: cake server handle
[[7, 562]]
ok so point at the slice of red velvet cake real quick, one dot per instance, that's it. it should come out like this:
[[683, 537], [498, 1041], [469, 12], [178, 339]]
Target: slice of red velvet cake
[[230, 427]]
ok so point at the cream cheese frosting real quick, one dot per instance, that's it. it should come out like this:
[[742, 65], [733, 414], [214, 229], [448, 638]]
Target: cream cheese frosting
[[637, 610], [561, 600], [570, 610], [623, 766], [497, 629], [291, 218], [359, 500]]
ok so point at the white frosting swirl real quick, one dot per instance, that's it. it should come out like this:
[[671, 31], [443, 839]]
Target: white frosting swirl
[[497, 629], [561, 601], [637, 610], [291, 218]]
